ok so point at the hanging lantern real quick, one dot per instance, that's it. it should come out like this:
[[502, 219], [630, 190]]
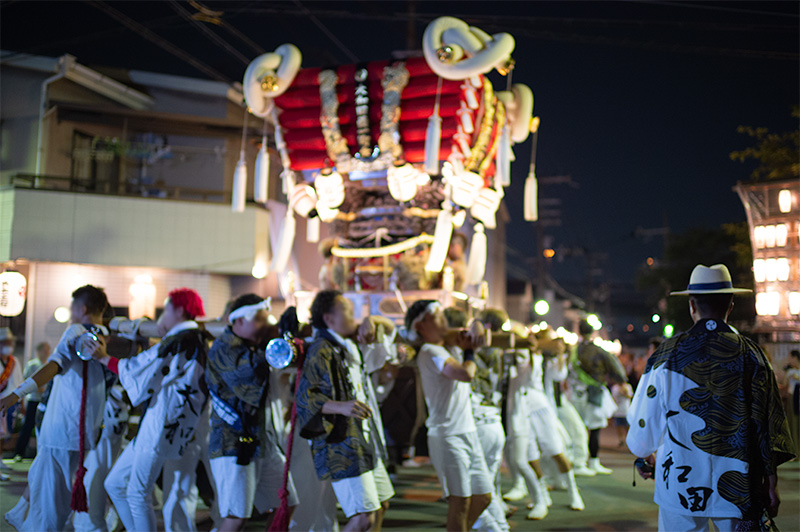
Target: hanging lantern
[[13, 287], [325, 214], [486, 205], [459, 218], [433, 142], [261, 182], [503, 177], [402, 181], [531, 206], [303, 200], [476, 265], [466, 187], [312, 229], [433, 136], [280, 257], [329, 187], [239, 185]]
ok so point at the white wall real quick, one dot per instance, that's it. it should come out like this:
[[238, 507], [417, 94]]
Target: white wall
[[122, 231], [52, 283]]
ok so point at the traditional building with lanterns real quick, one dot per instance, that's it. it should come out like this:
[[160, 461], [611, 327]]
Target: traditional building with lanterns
[[773, 215]]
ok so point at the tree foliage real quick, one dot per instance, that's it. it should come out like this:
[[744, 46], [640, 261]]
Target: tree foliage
[[778, 154]]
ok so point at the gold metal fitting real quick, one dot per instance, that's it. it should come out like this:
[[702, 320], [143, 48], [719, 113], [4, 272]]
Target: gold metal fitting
[[445, 54], [269, 83], [507, 67]]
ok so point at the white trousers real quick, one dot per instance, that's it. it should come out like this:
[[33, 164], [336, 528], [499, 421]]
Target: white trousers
[[675, 522], [493, 439], [180, 492], [180, 477], [50, 481], [130, 486], [98, 464], [578, 444], [316, 509], [519, 459]]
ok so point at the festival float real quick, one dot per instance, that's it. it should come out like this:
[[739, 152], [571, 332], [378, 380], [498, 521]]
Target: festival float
[[400, 156]]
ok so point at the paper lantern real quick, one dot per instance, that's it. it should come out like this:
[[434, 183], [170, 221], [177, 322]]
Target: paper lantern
[[402, 182], [466, 187], [239, 185], [261, 182], [330, 189], [302, 199], [13, 287], [485, 207], [476, 266], [441, 241], [531, 202]]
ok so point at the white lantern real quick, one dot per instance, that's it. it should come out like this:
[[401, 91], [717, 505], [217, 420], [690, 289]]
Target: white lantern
[[239, 194], [785, 200], [486, 205], [325, 214], [466, 187], [768, 303], [782, 269], [794, 302], [402, 181], [781, 235], [261, 183], [13, 287], [302, 199], [330, 189], [760, 270], [143, 297]]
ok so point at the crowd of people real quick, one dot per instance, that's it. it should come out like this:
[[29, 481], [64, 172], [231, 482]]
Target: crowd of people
[[218, 422]]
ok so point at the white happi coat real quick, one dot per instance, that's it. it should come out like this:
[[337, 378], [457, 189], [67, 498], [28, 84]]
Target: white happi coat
[[176, 391]]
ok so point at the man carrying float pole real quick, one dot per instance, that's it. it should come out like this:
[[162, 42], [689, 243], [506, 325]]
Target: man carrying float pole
[[169, 377], [246, 461], [337, 411], [453, 441]]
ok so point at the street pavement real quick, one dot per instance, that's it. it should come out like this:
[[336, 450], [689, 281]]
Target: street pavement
[[612, 502]]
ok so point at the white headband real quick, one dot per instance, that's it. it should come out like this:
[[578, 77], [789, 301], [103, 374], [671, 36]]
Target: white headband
[[411, 333], [249, 312]]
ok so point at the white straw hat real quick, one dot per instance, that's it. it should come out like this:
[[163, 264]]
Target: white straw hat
[[710, 280]]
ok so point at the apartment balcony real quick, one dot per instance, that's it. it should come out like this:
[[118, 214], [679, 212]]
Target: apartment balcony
[[75, 221]]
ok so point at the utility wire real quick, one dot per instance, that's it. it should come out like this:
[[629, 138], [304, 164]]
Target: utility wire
[[327, 32], [144, 32], [213, 37], [718, 8]]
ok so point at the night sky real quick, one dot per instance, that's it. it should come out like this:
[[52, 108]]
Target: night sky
[[639, 101]]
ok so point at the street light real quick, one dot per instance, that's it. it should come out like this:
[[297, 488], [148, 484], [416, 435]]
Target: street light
[[669, 330], [656, 318], [541, 307], [594, 321]]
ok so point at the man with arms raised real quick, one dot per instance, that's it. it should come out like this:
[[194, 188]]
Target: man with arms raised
[[246, 461], [337, 411], [453, 441]]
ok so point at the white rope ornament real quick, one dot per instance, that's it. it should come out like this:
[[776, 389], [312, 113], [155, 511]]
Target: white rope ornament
[[249, 312]]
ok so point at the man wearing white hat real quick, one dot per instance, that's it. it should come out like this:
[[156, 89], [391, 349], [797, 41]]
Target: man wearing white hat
[[707, 419]]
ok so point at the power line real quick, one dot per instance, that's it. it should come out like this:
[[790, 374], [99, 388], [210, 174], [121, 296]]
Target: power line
[[327, 32], [717, 8], [213, 37], [524, 25], [143, 31]]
